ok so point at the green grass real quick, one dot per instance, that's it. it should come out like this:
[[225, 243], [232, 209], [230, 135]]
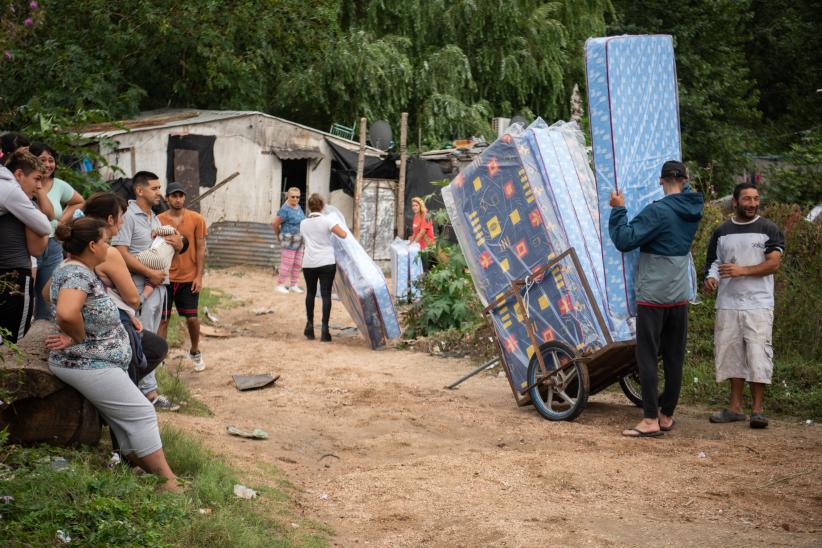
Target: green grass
[[168, 376], [172, 386], [213, 299], [796, 387], [99, 506]]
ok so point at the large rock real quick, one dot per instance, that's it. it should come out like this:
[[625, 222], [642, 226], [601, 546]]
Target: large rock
[[40, 408]]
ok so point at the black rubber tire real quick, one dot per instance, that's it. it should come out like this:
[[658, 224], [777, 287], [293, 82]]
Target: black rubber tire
[[574, 392], [632, 387]]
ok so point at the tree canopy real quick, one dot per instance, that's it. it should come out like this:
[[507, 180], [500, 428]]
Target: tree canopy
[[748, 69]]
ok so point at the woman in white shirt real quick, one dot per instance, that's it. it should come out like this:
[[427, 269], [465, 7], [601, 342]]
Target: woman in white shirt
[[319, 264]]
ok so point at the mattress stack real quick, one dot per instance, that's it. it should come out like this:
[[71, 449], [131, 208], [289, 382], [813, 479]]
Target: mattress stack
[[507, 228], [406, 269], [363, 291], [532, 195]]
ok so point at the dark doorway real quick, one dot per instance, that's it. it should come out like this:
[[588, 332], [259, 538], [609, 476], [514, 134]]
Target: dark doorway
[[295, 174], [187, 173], [190, 162]]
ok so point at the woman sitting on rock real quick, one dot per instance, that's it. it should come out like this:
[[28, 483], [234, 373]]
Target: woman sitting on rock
[[92, 352]]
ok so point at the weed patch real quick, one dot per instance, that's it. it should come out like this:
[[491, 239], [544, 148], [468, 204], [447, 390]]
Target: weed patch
[[100, 506]]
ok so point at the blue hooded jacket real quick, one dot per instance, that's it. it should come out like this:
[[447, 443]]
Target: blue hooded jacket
[[663, 231]]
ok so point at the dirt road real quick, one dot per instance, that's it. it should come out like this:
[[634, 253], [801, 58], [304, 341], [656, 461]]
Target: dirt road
[[387, 457]]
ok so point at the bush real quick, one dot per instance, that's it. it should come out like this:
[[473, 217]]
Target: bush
[[799, 180], [448, 300]]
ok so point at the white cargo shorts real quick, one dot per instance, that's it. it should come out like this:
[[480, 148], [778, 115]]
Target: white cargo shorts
[[742, 345]]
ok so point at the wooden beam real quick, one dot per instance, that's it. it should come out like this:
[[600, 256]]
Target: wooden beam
[[401, 185], [358, 186]]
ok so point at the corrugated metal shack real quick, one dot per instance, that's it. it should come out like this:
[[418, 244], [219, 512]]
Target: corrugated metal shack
[[199, 148]]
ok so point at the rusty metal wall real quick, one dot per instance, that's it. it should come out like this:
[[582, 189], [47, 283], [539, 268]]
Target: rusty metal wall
[[232, 243]]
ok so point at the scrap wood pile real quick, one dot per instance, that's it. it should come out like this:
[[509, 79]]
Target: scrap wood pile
[[531, 197]]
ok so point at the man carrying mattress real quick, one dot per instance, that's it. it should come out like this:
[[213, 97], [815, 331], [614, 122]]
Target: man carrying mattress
[[663, 231]]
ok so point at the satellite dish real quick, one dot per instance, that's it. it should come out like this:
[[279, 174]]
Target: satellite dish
[[379, 134], [519, 120]]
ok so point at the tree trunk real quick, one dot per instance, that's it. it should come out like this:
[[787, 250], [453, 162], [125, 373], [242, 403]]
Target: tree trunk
[[37, 407]]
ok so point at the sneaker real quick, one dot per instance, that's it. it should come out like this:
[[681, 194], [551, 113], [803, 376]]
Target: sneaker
[[197, 360], [296, 289], [281, 289], [163, 403]]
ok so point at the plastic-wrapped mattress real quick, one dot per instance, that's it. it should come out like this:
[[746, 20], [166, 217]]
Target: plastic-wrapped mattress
[[559, 151], [363, 291], [507, 228], [634, 113], [406, 268]]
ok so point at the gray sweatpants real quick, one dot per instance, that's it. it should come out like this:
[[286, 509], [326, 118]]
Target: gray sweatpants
[[128, 413], [150, 316]]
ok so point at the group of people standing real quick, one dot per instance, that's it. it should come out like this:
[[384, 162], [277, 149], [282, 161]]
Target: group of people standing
[[743, 254], [85, 264], [306, 245]]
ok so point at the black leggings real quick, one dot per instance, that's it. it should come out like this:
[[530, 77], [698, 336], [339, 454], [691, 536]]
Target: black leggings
[[16, 302], [325, 275]]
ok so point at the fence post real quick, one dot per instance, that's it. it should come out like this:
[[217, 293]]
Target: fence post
[[358, 186], [401, 183]]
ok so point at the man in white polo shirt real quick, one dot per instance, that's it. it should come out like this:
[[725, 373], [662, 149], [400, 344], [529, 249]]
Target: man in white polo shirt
[[743, 255]]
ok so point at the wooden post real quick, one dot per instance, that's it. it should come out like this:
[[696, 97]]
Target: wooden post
[[358, 186], [401, 183]]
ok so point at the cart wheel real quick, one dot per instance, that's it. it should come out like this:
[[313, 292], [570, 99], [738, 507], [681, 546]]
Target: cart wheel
[[566, 399], [632, 387]]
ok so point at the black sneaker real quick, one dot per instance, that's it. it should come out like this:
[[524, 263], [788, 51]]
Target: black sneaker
[[309, 331]]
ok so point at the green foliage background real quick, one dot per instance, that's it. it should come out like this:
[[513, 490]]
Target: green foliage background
[[748, 69]]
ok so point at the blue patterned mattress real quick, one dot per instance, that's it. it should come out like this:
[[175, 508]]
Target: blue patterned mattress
[[634, 113], [363, 291], [508, 227], [406, 268], [559, 151]]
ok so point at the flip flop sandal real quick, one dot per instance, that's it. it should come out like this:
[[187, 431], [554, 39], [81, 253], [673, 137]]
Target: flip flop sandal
[[667, 428], [758, 420], [726, 415], [641, 434]]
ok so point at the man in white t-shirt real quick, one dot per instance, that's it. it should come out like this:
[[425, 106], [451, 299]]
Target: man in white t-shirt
[[743, 255]]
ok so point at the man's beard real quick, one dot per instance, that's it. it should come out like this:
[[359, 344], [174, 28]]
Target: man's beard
[[742, 212]]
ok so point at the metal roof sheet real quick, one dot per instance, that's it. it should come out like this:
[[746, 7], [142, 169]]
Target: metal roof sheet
[[166, 118]]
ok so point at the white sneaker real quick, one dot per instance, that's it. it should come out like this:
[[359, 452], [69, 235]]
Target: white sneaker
[[197, 360], [281, 289], [296, 289]]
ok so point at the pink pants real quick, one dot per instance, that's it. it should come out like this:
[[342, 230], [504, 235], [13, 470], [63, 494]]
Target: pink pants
[[291, 262]]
